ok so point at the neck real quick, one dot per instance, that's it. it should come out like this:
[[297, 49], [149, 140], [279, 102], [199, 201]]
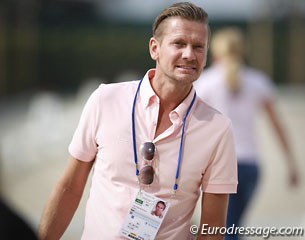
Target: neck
[[170, 94]]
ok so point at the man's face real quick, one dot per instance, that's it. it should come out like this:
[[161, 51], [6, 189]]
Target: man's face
[[159, 209], [181, 49]]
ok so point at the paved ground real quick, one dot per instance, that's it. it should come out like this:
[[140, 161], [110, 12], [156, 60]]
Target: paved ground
[[29, 170]]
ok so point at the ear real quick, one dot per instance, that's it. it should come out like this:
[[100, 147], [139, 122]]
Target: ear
[[153, 48]]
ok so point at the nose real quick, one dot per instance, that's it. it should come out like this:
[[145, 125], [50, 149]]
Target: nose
[[188, 53]]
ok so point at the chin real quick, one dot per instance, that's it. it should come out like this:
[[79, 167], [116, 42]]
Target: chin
[[187, 78]]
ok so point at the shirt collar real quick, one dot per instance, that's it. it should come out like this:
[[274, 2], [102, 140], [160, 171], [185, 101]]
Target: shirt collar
[[147, 95], [182, 108]]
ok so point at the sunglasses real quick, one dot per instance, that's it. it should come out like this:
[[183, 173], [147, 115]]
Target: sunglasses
[[146, 173]]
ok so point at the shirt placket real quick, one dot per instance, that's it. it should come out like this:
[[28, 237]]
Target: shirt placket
[[176, 123], [154, 120]]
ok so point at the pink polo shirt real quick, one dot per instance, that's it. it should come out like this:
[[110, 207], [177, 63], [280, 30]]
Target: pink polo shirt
[[104, 134]]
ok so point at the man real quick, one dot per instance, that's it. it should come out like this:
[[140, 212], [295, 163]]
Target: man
[[160, 207], [152, 137]]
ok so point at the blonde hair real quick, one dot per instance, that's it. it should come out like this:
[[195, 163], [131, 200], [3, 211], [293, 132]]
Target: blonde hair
[[227, 45], [185, 10]]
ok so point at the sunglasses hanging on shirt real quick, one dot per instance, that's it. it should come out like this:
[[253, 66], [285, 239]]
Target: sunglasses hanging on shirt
[[146, 173]]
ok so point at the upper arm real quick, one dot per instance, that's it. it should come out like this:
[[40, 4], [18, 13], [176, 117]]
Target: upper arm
[[214, 209], [213, 214], [75, 175], [268, 106], [275, 121]]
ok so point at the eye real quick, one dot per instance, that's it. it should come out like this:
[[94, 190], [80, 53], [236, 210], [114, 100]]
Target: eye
[[199, 47], [179, 43]]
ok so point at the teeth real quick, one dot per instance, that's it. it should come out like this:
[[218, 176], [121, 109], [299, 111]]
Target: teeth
[[187, 67]]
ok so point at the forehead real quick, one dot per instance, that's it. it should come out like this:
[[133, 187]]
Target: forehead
[[175, 27]]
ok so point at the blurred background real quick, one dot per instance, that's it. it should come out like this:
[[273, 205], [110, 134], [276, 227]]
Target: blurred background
[[54, 53]]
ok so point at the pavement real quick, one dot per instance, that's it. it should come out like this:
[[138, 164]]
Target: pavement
[[36, 130]]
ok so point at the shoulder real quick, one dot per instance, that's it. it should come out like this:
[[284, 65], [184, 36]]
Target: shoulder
[[256, 76], [258, 83], [106, 96], [117, 89], [207, 114]]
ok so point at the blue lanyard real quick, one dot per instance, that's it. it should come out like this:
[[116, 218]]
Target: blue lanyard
[[175, 187]]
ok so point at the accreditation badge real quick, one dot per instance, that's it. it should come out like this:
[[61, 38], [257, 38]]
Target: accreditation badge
[[145, 217]]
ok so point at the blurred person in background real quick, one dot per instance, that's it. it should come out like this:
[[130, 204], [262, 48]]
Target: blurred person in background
[[240, 92], [12, 225], [149, 118]]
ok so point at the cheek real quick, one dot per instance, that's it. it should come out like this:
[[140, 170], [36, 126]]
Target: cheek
[[202, 58], [170, 54]]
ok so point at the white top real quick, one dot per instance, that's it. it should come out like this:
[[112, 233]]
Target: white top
[[104, 134], [242, 109]]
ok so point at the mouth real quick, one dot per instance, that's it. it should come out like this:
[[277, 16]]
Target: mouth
[[187, 67]]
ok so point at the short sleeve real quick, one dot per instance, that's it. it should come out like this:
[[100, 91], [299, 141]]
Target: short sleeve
[[83, 145], [221, 174], [264, 87]]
